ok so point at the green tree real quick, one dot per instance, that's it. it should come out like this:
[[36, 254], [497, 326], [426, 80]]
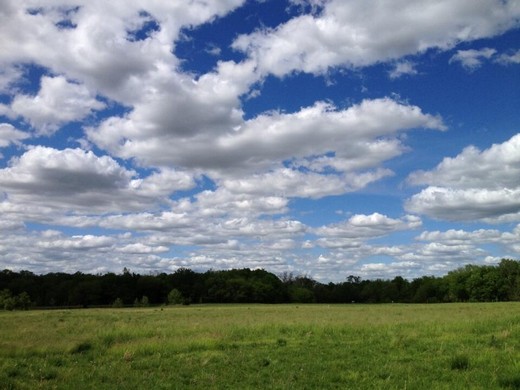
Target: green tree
[[510, 279], [298, 294], [23, 301], [118, 303], [143, 302], [175, 297]]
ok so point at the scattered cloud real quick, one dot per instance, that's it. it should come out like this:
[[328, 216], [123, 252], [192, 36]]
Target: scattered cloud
[[232, 167], [472, 59], [403, 68], [509, 58]]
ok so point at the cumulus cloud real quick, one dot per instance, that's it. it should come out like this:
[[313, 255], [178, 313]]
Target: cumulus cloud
[[294, 183], [353, 34], [140, 248], [362, 136], [360, 228], [58, 101], [473, 185], [10, 135], [113, 68], [49, 250], [74, 179], [8, 76], [444, 249], [99, 42]]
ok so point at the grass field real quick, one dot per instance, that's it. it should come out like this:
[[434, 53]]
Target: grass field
[[447, 346]]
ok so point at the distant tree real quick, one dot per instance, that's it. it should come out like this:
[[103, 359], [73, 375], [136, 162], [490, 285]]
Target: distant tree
[[510, 277], [118, 302], [402, 289], [428, 289], [153, 287], [189, 283], [6, 300], [142, 302], [175, 297], [456, 282], [23, 301], [299, 294]]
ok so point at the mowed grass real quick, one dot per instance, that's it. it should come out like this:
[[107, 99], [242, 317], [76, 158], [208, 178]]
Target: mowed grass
[[447, 346]]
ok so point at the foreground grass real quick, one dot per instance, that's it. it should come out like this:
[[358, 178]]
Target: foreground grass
[[449, 346]]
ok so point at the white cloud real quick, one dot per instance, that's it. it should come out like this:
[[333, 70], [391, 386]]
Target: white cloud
[[402, 68], [472, 59], [473, 185], [469, 204], [359, 228], [261, 144], [353, 34], [94, 41], [294, 183], [177, 131], [8, 76], [351, 134], [10, 135], [447, 249], [163, 182], [509, 59], [222, 202], [140, 248], [74, 179], [87, 242], [57, 102]]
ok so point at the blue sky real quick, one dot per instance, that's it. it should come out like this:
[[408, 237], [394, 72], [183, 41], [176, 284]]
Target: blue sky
[[319, 137]]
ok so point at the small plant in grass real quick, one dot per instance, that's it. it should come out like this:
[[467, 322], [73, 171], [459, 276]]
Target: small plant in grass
[[281, 342], [81, 347], [460, 362], [128, 356], [265, 362], [510, 382]]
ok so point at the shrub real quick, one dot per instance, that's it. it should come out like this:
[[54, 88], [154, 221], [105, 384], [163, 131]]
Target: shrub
[[81, 347], [510, 382]]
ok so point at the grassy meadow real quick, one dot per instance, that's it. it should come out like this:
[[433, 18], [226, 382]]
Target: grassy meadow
[[445, 346]]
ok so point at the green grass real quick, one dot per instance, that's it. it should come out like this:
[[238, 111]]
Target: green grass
[[448, 346]]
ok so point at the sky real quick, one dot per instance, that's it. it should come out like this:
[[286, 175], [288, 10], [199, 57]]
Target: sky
[[325, 138]]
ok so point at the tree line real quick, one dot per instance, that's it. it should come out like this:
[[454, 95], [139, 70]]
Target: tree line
[[471, 283]]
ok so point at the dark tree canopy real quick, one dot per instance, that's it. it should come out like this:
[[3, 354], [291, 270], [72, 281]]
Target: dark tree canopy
[[21, 290]]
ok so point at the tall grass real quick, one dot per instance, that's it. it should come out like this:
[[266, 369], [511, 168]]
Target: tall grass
[[264, 346]]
